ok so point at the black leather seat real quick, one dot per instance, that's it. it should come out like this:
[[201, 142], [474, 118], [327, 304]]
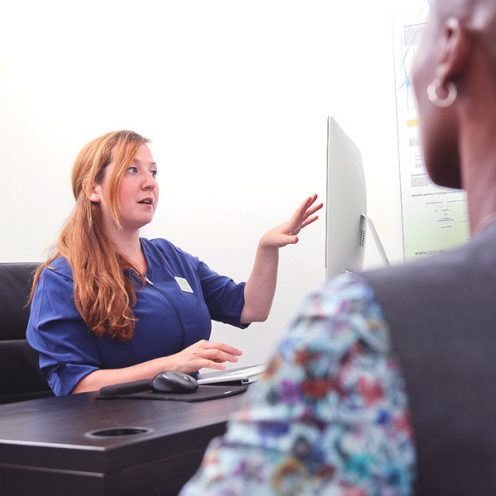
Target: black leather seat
[[20, 377]]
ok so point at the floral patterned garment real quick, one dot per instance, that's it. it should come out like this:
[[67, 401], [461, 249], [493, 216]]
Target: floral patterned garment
[[330, 416]]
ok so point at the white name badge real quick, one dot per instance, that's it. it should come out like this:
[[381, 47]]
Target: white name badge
[[183, 284]]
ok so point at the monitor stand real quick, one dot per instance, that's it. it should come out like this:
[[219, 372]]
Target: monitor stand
[[377, 239]]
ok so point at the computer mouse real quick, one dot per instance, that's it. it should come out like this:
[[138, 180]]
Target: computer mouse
[[174, 382]]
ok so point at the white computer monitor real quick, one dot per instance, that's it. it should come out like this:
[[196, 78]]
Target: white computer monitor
[[346, 203]]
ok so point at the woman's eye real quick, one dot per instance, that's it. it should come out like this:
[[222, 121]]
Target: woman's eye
[[133, 170]]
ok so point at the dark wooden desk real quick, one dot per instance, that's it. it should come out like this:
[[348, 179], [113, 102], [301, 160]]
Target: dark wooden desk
[[45, 447]]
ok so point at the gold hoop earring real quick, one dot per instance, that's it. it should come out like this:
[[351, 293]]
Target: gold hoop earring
[[433, 95]]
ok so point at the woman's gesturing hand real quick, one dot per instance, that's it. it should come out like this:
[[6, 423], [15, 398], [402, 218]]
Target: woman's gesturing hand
[[261, 285], [204, 354], [286, 233]]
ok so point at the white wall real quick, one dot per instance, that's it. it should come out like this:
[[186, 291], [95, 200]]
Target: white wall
[[234, 95]]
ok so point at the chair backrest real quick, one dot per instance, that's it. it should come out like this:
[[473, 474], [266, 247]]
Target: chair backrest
[[20, 377]]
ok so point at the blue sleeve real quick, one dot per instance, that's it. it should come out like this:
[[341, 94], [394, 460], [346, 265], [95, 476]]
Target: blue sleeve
[[68, 349], [330, 414], [224, 298]]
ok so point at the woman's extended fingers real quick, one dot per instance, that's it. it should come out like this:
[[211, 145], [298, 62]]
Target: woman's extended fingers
[[306, 205], [309, 221], [213, 355], [212, 345], [315, 208], [215, 352], [303, 215], [206, 354], [219, 356]]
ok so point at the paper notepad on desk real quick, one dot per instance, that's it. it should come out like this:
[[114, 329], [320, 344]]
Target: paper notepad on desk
[[241, 375]]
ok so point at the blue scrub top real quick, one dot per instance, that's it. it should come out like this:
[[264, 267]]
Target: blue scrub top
[[171, 315]]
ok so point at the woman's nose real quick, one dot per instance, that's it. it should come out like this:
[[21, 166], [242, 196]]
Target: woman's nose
[[149, 181]]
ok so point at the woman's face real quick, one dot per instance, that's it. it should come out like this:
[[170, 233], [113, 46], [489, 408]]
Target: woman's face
[[138, 192], [437, 125]]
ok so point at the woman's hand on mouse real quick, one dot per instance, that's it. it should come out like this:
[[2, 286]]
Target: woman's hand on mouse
[[204, 354], [286, 234]]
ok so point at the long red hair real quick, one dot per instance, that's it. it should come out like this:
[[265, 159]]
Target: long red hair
[[103, 295]]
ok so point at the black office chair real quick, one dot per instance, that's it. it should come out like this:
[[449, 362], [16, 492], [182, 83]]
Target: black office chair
[[20, 377]]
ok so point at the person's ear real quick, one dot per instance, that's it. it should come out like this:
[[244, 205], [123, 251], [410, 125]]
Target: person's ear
[[92, 191], [455, 51]]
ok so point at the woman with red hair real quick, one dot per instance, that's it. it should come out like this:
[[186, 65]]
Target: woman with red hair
[[110, 307]]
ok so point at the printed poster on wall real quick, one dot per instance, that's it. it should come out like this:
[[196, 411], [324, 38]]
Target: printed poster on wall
[[434, 218]]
